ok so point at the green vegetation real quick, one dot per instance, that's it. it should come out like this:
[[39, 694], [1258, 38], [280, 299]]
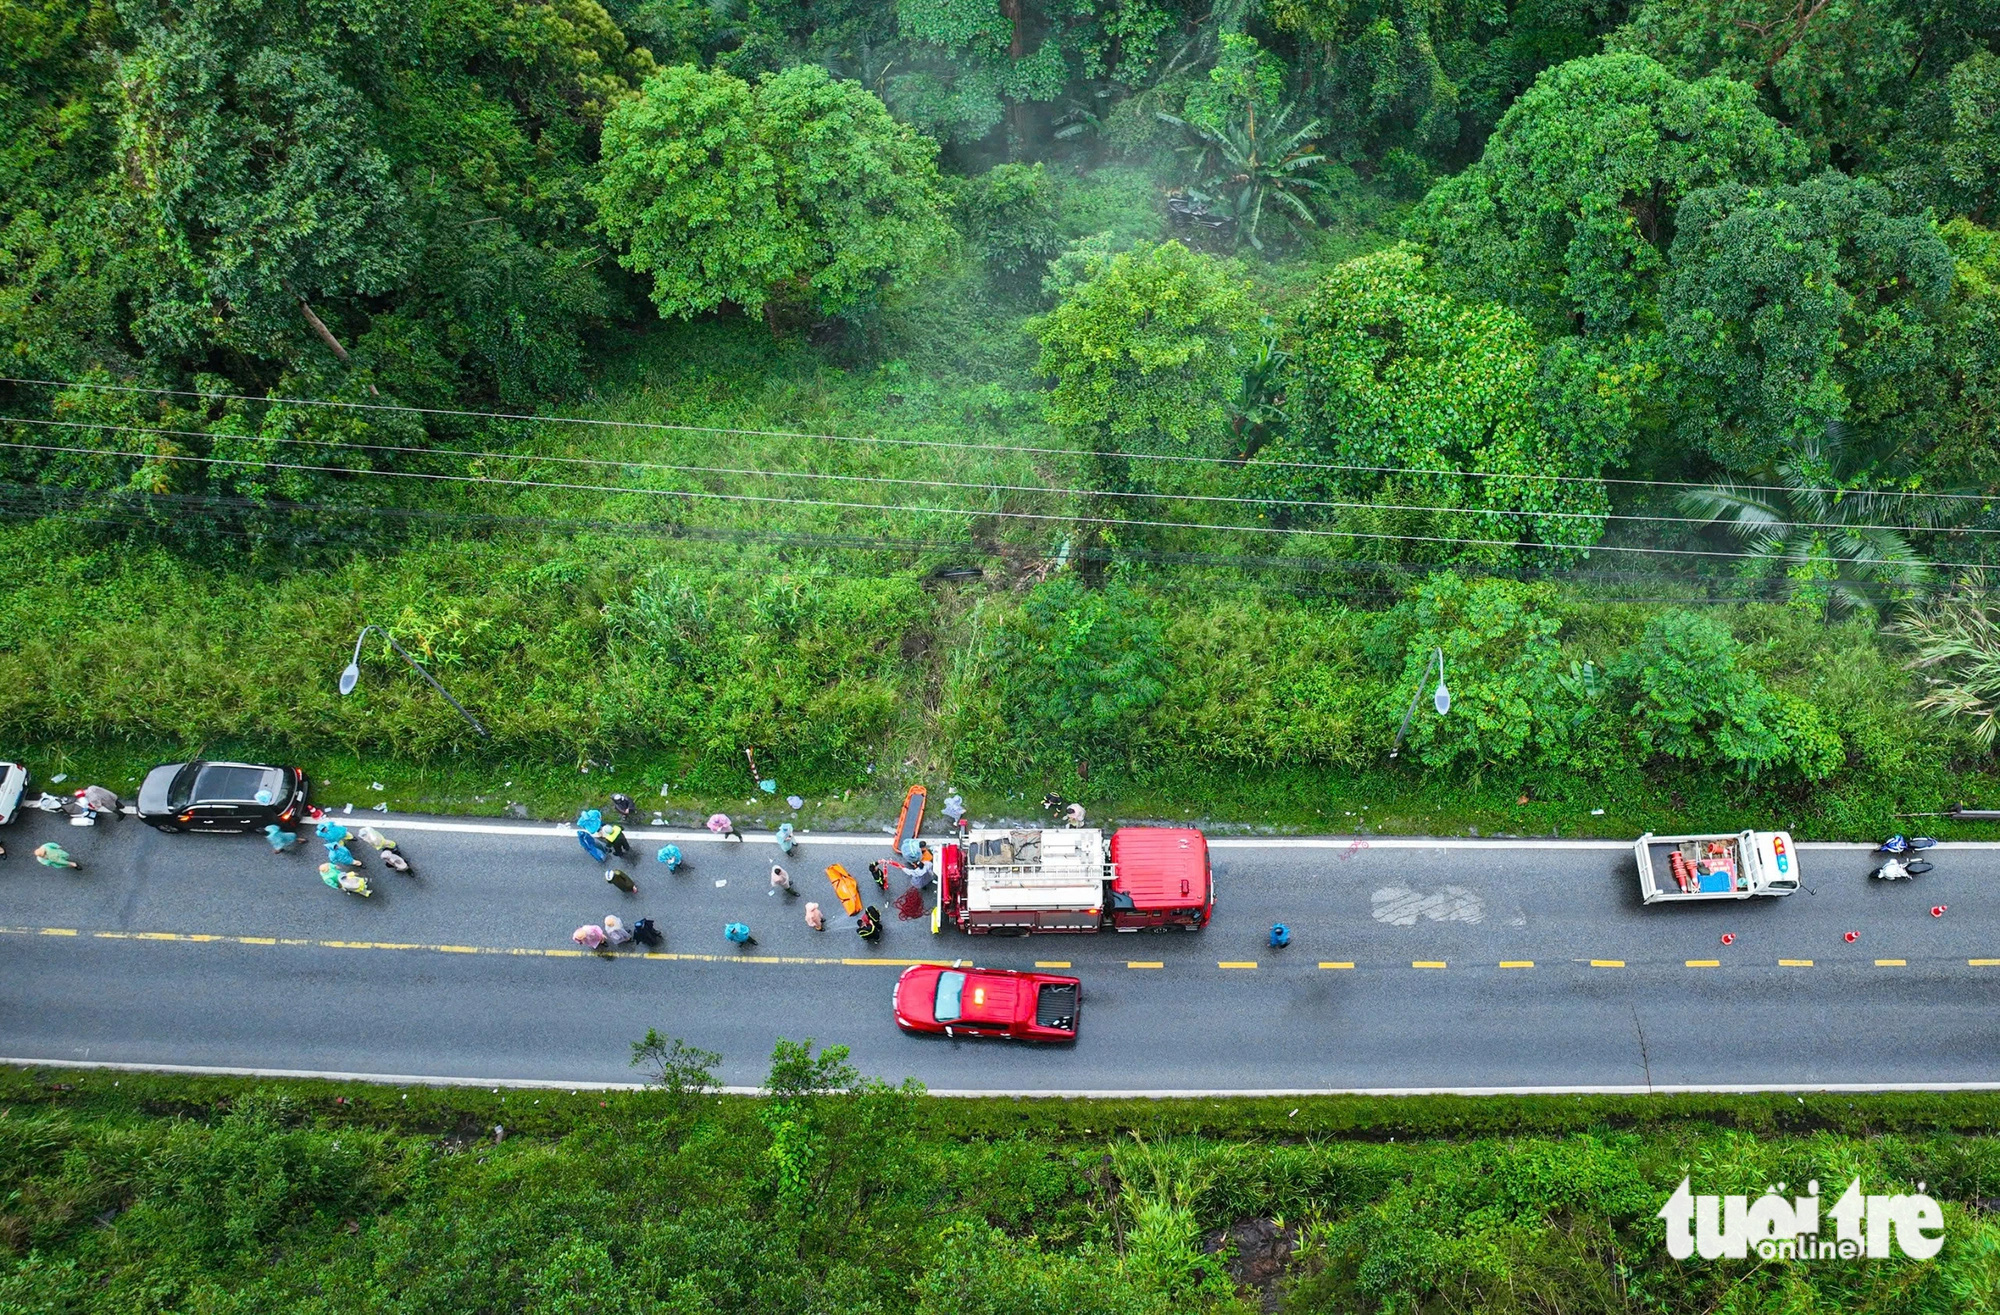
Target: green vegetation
[[1126, 399], [136, 1193]]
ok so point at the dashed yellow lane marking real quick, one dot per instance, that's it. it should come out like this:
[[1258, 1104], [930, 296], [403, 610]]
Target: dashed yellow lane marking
[[1795, 963], [1052, 963], [58, 931], [1427, 963], [1517, 963], [1237, 963], [1892, 963], [1983, 963], [1144, 963], [894, 963], [1704, 963], [1344, 963], [1607, 963]]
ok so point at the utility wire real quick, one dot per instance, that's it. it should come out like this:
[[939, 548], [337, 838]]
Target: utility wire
[[681, 529], [1050, 490], [707, 495], [1172, 457]]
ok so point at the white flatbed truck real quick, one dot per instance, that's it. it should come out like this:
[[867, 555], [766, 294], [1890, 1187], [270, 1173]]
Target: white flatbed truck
[[1680, 869]]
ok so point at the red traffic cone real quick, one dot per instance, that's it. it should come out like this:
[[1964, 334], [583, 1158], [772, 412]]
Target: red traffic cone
[[1729, 938], [1937, 910], [1851, 937]]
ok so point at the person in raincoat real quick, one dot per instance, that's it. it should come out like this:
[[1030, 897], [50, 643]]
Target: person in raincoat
[[782, 880], [787, 845], [590, 819], [382, 843], [330, 831], [869, 925], [722, 826], [351, 882], [671, 856], [738, 933], [615, 931], [100, 801], [613, 837], [590, 936], [815, 919], [53, 855], [282, 841], [622, 880], [592, 845], [341, 856]]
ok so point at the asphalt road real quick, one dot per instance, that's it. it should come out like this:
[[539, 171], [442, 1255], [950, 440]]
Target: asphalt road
[[1415, 965]]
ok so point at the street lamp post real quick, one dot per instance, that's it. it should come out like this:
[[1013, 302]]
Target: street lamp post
[[1441, 700], [352, 676]]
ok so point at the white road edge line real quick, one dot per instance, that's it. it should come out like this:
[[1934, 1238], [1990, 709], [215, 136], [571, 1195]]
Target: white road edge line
[[564, 831], [1191, 1093]]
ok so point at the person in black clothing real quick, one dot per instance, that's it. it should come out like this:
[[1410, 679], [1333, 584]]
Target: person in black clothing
[[648, 935], [870, 923]]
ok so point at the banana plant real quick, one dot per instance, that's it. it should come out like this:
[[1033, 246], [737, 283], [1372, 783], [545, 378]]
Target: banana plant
[[1252, 170]]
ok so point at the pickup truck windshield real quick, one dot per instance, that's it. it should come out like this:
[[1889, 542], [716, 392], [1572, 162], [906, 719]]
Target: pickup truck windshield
[[951, 989]]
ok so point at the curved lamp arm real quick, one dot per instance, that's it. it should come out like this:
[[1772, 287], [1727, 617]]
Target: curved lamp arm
[[352, 675]]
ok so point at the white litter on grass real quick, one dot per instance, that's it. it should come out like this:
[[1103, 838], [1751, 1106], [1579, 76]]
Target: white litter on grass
[[795, 801], [374, 785], [1597, 812], [347, 808], [381, 808], [720, 884], [663, 792], [58, 778]]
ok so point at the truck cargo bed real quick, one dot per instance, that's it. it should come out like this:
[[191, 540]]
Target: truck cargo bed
[[1055, 1006]]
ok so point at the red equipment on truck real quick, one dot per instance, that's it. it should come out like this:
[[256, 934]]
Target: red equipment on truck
[[1013, 883]]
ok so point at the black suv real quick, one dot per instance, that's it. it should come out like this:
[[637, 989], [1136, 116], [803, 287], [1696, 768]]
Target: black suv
[[202, 796]]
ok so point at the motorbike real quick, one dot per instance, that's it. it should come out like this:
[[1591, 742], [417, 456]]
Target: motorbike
[[1898, 868]]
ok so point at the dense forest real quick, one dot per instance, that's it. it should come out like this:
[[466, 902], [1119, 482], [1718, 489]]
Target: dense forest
[[1129, 396]]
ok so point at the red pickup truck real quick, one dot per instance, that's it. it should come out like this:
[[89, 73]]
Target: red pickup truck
[[960, 1001]]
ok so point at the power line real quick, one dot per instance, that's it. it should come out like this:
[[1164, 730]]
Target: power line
[[1051, 490], [1172, 457], [708, 495], [133, 517]]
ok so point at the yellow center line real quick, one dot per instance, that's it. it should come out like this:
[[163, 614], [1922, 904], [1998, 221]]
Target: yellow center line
[[255, 940], [1052, 963], [112, 935], [1795, 963], [1144, 963], [1704, 963], [1517, 963], [1237, 963], [456, 949], [1983, 963], [1892, 963], [1427, 963], [58, 931], [1607, 963], [1345, 963]]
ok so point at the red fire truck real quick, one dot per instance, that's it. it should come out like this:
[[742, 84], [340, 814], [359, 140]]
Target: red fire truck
[[1013, 883]]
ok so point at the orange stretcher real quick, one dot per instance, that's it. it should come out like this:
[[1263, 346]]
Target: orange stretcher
[[845, 887]]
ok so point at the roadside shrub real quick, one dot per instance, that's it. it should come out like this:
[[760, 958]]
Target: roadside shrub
[[1691, 698], [1499, 643], [1080, 669]]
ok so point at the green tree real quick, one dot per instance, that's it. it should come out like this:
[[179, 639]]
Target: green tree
[[1947, 152], [1691, 698], [1432, 401], [1569, 214], [1810, 522], [1008, 215], [1955, 640], [250, 134], [1144, 350], [1081, 668], [799, 194], [1793, 307]]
